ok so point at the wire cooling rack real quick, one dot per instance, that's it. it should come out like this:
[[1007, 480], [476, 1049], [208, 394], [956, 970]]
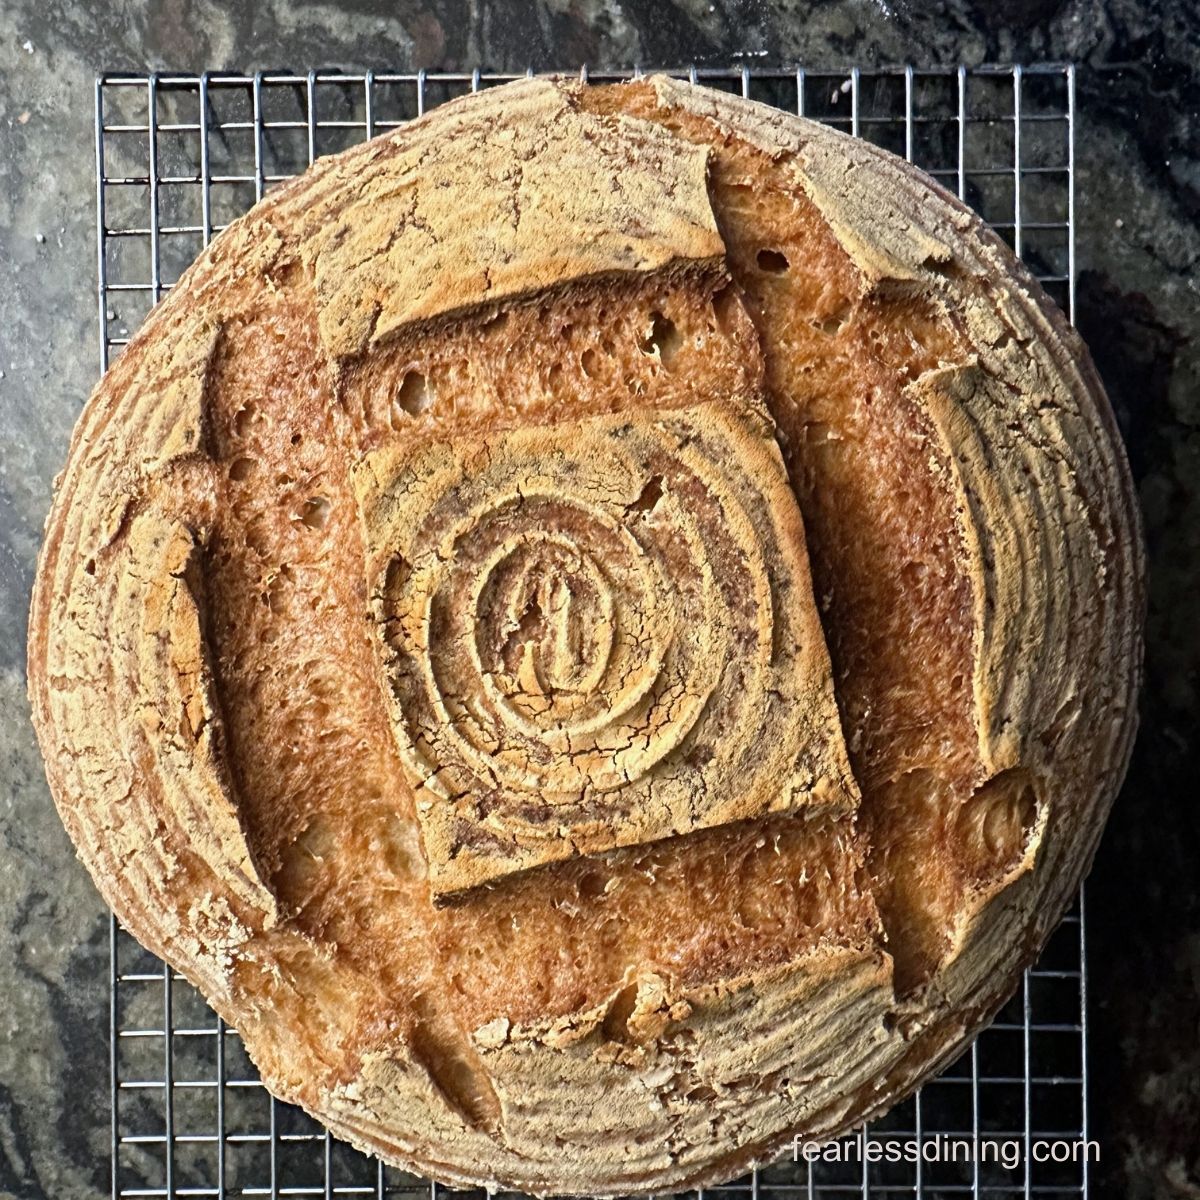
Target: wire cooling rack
[[178, 158]]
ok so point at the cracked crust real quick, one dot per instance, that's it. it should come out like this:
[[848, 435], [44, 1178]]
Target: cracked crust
[[621, 611], [336, 635]]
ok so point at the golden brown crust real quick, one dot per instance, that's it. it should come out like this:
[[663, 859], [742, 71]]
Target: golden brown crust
[[597, 634], [685, 953], [386, 249]]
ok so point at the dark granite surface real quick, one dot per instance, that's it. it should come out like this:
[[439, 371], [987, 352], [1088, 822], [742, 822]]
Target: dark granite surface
[[1138, 203]]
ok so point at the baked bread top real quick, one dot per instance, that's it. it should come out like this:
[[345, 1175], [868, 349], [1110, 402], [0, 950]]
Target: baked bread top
[[600, 629]]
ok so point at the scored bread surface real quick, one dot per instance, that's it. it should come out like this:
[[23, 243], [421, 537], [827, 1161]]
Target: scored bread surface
[[634, 590], [600, 629]]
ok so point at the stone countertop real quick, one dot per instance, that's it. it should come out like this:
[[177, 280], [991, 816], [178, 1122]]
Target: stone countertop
[[1138, 199]]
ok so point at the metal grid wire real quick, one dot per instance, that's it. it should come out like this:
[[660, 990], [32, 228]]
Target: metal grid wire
[[178, 158]]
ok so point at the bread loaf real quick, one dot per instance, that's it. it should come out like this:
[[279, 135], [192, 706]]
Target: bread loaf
[[600, 630]]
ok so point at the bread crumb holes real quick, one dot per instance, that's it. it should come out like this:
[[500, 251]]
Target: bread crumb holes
[[242, 419], [833, 324], [315, 512], [773, 262], [412, 397], [663, 339]]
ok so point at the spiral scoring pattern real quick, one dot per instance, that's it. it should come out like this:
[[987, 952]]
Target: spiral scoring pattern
[[178, 740], [596, 635]]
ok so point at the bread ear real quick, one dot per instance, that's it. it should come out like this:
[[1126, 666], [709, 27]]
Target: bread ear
[[543, 334], [463, 212]]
